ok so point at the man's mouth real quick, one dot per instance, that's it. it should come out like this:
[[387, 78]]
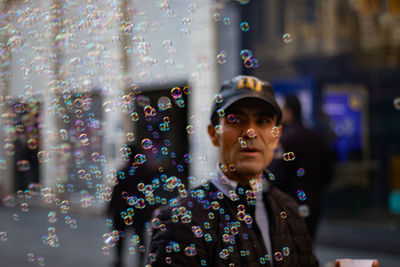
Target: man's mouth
[[250, 150]]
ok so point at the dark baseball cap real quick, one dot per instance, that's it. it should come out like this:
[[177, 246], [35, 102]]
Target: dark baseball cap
[[241, 87]]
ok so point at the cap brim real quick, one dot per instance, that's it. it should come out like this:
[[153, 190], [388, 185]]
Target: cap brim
[[235, 99]]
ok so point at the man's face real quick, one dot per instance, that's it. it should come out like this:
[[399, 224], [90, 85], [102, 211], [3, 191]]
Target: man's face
[[248, 121]]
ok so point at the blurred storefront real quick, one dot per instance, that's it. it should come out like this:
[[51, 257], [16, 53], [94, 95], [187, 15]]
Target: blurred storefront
[[86, 63]]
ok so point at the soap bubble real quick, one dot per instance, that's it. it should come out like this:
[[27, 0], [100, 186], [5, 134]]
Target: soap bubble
[[52, 217], [190, 129], [278, 256], [304, 210], [190, 251], [130, 136], [226, 21], [3, 236], [246, 54], [40, 261], [32, 143], [221, 112], [287, 38], [286, 251], [84, 139], [9, 201], [275, 131], [217, 17], [185, 31], [140, 158], [24, 207], [134, 116], [31, 257], [108, 106], [283, 214], [244, 26], [186, 90], [176, 92], [167, 44], [301, 195], [300, 172], [187, 158], [14, 43], [9, 149], [164, 103], [19, 108], [251, 133], [43, 156], [147, 143], [218, 98], [231, 118], [164, 127], [23, 165], [221, 57], [218, 129]]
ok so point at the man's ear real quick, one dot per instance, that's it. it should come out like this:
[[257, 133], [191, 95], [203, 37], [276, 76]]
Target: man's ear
[[276, 139], [213, 135]]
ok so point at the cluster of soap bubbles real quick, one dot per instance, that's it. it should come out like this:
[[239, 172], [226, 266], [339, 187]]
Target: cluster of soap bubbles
[[51, 239], [40, 260], [289, 156], [249, 61], [110, 240], [303, 209]]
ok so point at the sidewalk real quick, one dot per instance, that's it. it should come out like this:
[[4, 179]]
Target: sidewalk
[[83, 246], [368, 236]]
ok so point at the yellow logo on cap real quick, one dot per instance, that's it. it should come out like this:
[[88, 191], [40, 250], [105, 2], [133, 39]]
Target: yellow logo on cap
[[240, 84], [250, 83]]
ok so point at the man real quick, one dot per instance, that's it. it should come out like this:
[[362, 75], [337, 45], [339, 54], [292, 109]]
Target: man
[[236, 218], [311, 170]]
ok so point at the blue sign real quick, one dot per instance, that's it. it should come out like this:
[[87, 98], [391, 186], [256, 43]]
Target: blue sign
[[345, 112]]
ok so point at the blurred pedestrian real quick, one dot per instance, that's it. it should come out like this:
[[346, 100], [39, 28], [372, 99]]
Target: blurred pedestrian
[[132, 203], [306, 176]]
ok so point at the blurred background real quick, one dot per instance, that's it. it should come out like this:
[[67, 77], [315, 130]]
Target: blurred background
[[82, 80]]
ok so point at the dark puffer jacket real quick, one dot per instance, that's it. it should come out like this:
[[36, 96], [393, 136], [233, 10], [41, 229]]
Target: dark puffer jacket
[[204, 230]]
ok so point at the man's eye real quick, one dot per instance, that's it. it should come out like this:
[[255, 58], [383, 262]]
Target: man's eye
[[266, 120]]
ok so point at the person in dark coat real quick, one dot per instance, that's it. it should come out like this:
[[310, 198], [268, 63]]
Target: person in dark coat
[[237, 217], [131, 204], [306, 176]]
